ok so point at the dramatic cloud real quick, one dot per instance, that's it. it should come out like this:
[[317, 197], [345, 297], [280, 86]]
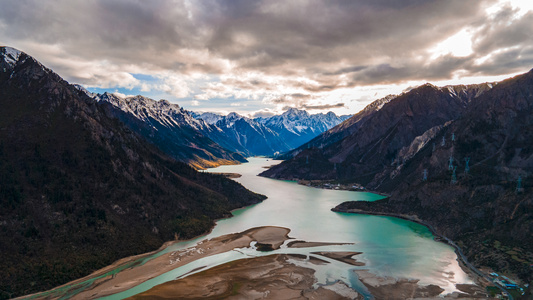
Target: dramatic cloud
[[268, 54], [324, 106]]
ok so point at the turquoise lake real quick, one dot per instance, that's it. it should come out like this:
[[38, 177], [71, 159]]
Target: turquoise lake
[[391, 247]]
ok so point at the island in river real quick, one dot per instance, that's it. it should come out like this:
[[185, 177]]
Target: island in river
[[337, 252], [271, 276]]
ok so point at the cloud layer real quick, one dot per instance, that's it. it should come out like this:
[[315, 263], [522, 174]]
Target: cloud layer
[[273, 53]]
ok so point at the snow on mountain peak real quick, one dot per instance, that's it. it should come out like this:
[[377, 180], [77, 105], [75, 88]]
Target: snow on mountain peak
[[80, 88], [233, 116], [208, 117], [294, 113], [11, 55]]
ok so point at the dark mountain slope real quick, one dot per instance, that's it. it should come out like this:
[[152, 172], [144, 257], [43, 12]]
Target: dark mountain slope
[[171, 129], [340, 131], [360, 147], [80, 190], [482, 210]]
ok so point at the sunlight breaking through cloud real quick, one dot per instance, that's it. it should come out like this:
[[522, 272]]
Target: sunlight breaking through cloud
[[207, 53]]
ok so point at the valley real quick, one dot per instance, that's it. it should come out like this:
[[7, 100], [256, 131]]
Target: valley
[[343, 255], [93, 180]]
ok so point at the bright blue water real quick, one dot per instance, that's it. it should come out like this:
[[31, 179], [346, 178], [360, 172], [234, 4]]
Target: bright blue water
[[391, 247]]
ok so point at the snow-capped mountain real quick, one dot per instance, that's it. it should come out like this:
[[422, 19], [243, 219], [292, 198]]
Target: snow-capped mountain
[[209, 139], [256, 138], [276, 134], [297, 127], [171, 128], [208, 117]]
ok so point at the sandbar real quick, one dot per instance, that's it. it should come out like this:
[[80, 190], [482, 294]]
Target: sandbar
[[266, 277], [345, 257], [304, 244], [137, 274]]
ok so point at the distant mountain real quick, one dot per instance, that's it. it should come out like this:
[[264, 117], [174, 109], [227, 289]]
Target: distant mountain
[[171, 129], [253, 136], [297, 127], [435, 133], [79, 189], [208, 117], [272, 135], [371, 139]]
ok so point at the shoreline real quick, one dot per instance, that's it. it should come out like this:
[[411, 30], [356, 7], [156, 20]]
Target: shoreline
[[227, 175], [323, 184], [96, 274], [91, 291], [135, 275], [461, 258]]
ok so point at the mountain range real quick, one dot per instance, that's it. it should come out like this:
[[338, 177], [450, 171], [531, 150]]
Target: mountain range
[[80, 189], [89, 178], [459, 157], [271, 135], [209, 140], [171, 129]]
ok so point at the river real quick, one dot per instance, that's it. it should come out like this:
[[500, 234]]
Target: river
[[391, 247]]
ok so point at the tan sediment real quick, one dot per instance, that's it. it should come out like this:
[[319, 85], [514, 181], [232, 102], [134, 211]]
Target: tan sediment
[[403, 288], [266, 277], [397, 288], [304, 244], [273, 276], [345, 257], [117, 264], [134, 276]]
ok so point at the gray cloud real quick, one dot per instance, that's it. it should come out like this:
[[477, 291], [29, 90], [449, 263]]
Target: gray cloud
[[292, 98], [262, 114], [324, 106], [272, 47]]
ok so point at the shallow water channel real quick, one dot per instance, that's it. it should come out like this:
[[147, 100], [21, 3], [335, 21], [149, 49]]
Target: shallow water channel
[[391, 247]]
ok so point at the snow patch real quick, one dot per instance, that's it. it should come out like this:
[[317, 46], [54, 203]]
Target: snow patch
[[11, 56]]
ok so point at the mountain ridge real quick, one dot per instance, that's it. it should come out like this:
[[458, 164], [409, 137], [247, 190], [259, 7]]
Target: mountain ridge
[[459, 172], [171, 129], [81, 190], [275, 134]]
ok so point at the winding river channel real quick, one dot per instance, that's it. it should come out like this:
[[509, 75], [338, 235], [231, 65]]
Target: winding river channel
[[390, 247]]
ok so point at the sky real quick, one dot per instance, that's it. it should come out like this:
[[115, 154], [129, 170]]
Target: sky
[[259, 58]]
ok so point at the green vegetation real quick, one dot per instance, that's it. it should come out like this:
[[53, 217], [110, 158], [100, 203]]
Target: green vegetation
[[493, 291]]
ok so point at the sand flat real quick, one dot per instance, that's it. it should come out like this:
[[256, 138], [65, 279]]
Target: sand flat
[[265, 277], [135, 275], [345, 257], [305, 244]]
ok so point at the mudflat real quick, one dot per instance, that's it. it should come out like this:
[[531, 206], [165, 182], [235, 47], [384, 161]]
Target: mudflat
[[266, 277], [135, 273]]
